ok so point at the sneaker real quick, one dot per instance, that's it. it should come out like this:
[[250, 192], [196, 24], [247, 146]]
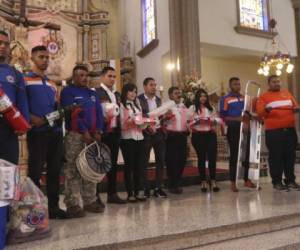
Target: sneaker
[[94, 207], [176, 190], [281, 187], [131, 199], [158, 192], [100, 203], [57, 213], [140, 197], [249, 184], [293, 185], [75, 212], [147, 193], [115, 199]]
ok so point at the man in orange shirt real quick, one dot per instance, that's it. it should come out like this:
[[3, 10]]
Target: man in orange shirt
[[276, 107]]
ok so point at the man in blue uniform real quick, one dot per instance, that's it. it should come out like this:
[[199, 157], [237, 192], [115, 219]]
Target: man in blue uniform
[[231, 108], [45, 142], [84, 125], [12, 83]]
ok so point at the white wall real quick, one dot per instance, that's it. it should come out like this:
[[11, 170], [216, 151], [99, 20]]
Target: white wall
[[217, 21], [219, 17], [217, 71], [151, 65]]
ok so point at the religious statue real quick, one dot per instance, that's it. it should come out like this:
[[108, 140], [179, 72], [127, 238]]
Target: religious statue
[[125, 46], [19, 56], [19, 48]]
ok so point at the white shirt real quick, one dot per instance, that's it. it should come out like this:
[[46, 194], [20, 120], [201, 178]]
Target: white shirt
[[113, 122], [3, 203], [129, 128], [179, 122], [207, 119], [151, 103]]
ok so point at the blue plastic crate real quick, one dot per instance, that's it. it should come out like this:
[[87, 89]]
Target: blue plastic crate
[[3, 221]]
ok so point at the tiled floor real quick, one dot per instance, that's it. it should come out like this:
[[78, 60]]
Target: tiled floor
[[190, 211]]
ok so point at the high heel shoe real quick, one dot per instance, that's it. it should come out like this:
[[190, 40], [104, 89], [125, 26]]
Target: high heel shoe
[[213, 186], [233, 187], [204, 186]]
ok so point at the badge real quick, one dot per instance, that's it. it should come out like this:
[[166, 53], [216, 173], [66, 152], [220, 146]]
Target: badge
[[10, 79], [35, 217]]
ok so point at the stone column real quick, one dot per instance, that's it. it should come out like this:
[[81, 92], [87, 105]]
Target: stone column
[[86, 29], [294, 85], [79, 44], [184, 38]]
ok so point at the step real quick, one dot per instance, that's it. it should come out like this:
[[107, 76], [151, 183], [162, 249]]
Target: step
[[204, 237], [184, 221]]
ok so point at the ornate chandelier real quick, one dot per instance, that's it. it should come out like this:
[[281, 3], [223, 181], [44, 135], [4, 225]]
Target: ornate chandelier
[[276, 62]]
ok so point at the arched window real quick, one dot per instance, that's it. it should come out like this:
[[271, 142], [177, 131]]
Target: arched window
[[253, 17], [254, 14], [149, 21]]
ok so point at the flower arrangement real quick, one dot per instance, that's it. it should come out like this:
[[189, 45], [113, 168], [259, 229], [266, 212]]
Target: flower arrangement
[[190, 85]]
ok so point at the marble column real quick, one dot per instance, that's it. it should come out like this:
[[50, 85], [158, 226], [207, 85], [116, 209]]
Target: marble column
[[184, 38], [79, 44], [294, 85], [86, 29]]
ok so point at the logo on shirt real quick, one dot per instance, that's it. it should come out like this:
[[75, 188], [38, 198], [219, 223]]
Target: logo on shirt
[[10, 79], [93, 98]]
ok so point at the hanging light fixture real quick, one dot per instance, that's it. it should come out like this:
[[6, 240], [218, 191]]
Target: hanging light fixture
[[277, 62]]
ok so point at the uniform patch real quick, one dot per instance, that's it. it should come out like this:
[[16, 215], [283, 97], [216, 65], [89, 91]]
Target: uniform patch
[[93, 98], [10, 79]]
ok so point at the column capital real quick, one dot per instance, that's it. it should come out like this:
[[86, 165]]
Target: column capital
[[296, 4], [86, 28]]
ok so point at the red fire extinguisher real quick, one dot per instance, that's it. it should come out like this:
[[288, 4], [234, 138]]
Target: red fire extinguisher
[[12, 115]]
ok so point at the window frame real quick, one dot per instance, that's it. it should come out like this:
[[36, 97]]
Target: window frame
[[252, 31], [147, 48]]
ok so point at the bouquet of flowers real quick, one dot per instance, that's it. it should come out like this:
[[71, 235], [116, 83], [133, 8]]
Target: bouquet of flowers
[[190, 85]]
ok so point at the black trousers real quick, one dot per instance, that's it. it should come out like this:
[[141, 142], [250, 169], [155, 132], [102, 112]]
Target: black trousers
[[205, 145], [176, 153], [112, 140], [281, 144], [233, 138], [9, 144], [131, 150], [46, 147], [158, 142]]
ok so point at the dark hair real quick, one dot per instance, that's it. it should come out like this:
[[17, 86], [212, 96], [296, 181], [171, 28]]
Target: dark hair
[[172, 89], [271, 77], [80, 67], [38, 48], [106, 69], [233, 79], [197, 100], [126, 88], [4, 33], [147, 80]]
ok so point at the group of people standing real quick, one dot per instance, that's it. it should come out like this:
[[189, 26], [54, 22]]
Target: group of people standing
[[35, 95]]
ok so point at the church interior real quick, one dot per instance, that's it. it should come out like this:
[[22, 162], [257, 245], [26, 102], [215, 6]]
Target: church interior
[[178, 43]]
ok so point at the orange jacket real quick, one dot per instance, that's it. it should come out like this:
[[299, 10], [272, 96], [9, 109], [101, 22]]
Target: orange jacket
[[282, 115]]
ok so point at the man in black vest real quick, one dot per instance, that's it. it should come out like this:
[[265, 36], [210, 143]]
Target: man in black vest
[[111, 137], [154, 137]]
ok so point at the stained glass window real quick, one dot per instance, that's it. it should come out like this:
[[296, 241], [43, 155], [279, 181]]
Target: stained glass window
[[254, 14], [149, 23]]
